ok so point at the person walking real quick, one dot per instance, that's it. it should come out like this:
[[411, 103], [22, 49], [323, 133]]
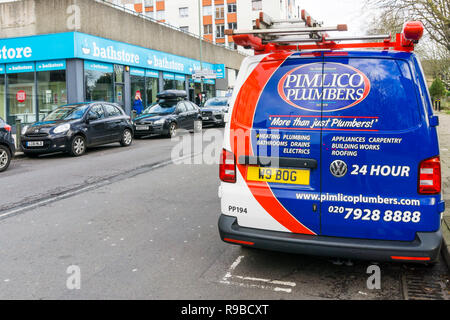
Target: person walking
[[138, 105]]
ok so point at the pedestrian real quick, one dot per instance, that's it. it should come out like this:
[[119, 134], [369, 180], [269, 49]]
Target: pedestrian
[[138, 105], [197, 100]]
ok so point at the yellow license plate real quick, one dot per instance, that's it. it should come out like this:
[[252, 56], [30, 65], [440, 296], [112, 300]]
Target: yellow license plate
[[290, 176]]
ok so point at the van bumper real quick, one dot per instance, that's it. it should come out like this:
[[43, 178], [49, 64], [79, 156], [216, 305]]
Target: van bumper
[[424, 248]]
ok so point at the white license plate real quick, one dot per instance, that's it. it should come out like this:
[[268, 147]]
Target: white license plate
[[205, 118], [142, 127], [35, 143]]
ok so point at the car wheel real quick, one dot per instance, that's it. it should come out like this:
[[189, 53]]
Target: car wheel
[[172, 130], [127, 138], [78, 147], [5, 158]]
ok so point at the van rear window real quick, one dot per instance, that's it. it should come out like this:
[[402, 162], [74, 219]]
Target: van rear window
[[392, 97], [363, 88]]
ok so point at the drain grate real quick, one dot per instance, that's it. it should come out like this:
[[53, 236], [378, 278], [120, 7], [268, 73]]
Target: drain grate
[[423, 287]]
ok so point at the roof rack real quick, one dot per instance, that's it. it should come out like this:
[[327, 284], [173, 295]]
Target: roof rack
[[270, 35]]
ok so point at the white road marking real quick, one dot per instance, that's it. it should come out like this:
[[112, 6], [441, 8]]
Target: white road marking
[[252, 282]]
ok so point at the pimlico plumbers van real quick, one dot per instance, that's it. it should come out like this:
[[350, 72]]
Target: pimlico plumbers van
[[333, 152]]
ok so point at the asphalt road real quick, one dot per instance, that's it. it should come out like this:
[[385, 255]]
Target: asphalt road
[[137, 226]]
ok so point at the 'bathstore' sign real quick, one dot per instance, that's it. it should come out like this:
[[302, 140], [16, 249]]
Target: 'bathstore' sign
[[69, 45], [93, 47]]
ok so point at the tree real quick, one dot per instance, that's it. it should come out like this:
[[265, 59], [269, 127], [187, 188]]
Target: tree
[[437, 89], [434, 14]]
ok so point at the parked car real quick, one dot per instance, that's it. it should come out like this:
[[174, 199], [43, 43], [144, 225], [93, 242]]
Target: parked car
[[7, 147], [75, 127], [170, 113], [214, 111]]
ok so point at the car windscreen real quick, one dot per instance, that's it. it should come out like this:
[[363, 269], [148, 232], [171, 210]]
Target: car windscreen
[[72, 112], [216, 102], [163, 106]]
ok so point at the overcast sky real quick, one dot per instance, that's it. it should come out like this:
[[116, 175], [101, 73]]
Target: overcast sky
[[332, 12]]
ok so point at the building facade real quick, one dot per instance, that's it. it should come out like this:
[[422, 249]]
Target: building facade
[[216, 15], [39, 73]]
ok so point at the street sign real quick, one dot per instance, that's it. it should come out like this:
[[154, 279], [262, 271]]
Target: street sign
[[205, 74]]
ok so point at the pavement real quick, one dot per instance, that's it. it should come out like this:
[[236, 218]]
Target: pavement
[[444, 143]]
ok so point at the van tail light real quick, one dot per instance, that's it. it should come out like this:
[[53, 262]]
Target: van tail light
[[7, 127], [430, 176], [227, 167]]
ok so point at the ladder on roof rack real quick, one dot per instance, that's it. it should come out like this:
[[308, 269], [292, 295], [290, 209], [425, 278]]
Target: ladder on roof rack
[[270, 35]]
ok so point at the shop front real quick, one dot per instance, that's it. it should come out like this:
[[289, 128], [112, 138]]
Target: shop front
[[40, 73]]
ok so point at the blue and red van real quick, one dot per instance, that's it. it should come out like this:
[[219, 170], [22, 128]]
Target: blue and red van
[[333, 152]]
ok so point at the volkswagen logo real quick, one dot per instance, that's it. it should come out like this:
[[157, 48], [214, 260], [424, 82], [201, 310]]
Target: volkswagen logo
[[338, 168]]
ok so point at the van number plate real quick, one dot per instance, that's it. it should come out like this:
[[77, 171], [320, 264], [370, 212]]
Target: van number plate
[[290, 176]]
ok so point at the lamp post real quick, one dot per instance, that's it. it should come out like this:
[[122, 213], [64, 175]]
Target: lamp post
[[200, 44]]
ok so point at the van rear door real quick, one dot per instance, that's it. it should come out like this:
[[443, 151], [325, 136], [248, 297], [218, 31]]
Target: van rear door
[[284, 155], [375, 135]]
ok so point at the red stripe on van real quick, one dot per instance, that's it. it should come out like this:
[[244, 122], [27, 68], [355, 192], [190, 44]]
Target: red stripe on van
[[247, 99]]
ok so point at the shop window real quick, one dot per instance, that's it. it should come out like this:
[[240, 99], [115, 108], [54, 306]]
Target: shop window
[[169, 84], [179, 85], [99, 85], [118, 73], [51, 91], [137, 88], [21, 97], [210, 90], [2, 97], [151, 88]]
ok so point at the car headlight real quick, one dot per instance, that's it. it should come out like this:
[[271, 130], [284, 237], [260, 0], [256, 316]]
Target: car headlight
[[62, 128], [24, 130], [160, 121]]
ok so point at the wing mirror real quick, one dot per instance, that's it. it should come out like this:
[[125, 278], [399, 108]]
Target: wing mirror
[[91, 117]]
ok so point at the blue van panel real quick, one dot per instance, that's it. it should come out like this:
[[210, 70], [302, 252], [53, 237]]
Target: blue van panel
[[367, 112]]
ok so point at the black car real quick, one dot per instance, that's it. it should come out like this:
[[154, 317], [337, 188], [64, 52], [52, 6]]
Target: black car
[[214, 111], [170, 113], [7, 148], [73, 128]]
